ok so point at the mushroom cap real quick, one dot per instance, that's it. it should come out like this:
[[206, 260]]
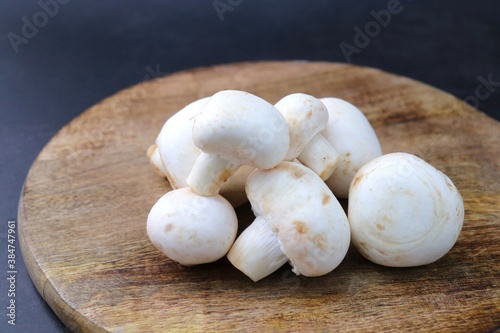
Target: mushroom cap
[[354, 139], [310, 223], [403, 212], [242, 127], [178, 153], [192, 229], [175, 144], [306, 116]]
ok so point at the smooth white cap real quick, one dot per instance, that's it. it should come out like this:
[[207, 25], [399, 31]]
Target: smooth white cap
[[192, 229], [175, 144], [241, 127], [306, 116], [354, 139]]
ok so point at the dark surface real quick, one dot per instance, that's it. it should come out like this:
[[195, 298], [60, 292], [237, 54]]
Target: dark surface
[[89, 50]]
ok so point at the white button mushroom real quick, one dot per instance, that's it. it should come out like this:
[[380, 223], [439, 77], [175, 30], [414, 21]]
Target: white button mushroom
[[403, 212], [354, 139], [235, 128], [192, 229], [298, 220], [306, 117], [175, 144], [174, 154]]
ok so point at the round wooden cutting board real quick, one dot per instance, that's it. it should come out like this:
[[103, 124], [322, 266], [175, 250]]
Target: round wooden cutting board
[[83, 210]]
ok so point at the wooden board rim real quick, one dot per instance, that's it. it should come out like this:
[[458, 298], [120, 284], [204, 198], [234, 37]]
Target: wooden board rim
[[63, 308]]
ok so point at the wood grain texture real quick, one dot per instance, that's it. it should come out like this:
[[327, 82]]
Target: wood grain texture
[[83, 210]]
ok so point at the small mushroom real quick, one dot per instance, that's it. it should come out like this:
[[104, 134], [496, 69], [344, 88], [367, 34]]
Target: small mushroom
[[175, 144], [174, 154], [403, 212], [298, 219], [354, 139], [192, 229], [235, 128], [306, 117]]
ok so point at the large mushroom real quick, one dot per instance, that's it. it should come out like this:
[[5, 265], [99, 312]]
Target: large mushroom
[[306, 117], [174, 153], [192, 229], [354, 139], [298, 219], [403, 212], [232, 129]]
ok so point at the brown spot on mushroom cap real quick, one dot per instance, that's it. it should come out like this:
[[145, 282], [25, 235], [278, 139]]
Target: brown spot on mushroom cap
[[293, 168], [380, 226], [309, 114], [356, 180], [320, 242], [168, 227], [298, 173], [300, 227], [387, 219], [347, 164], [326, 198]]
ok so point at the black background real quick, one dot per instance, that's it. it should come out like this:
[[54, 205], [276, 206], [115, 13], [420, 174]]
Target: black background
[[91, 49]]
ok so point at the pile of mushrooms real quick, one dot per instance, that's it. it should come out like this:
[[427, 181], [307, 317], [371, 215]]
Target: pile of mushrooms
[[291, 161]]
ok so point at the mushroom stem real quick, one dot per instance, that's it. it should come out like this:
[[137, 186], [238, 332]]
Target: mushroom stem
[[317, 156], [209, 172], [257, 251]]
